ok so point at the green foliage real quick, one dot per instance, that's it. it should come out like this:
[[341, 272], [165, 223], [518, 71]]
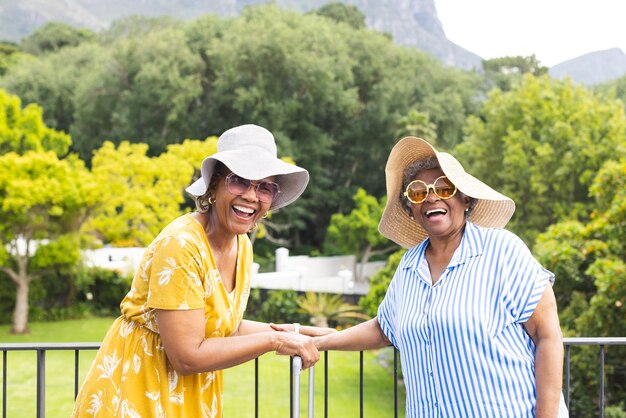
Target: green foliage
[[541, 144], [51, 81], [334, 96], [615, 89], [9, 56], [615, 411], [102, 290], [23, 130], [379, 283], [326, 309], [588, 259], [140, 195], [53, 36], [139, 89], [277, 306], [505, 72], [357, 233], [418, 124], [343, 13]]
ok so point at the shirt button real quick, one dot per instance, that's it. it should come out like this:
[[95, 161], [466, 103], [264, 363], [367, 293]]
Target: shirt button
[[430, 374]]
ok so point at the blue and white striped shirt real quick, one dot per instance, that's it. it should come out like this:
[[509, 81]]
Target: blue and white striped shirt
[[463, 347]]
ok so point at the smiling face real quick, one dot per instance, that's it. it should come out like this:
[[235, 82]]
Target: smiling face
[[236, 214], [441, 219]]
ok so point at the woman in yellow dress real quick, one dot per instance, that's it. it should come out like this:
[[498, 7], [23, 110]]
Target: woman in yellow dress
[[182, 320]]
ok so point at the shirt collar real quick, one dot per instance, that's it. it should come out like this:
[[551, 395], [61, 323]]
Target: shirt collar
[[471, 246]]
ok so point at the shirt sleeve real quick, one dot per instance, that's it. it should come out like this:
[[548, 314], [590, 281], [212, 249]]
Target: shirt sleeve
[[524, 280], [387, 311], [175, 281]]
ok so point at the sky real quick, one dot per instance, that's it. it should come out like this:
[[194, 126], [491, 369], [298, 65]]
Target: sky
[[553, 30]]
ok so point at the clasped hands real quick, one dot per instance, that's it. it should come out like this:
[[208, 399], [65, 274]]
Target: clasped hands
[[293, 339]]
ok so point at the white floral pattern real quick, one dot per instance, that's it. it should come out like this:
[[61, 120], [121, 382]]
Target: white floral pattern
[[177, 272]]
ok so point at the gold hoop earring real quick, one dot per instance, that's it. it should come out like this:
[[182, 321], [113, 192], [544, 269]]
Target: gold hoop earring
[[254, 228], [204, 203], [266, 214]]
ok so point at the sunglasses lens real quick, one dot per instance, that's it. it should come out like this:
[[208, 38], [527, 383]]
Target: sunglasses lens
[[417, 191], [237, 185], [266, 191], [444, 188]]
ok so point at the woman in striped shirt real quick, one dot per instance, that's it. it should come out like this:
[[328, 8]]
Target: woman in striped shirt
[[470, 309]]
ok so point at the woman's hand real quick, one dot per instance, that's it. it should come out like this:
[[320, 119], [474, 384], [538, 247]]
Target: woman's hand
[[292, 344], [305, 330]]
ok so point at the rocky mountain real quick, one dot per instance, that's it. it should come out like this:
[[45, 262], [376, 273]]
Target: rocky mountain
[[410, 22], [593, 68]]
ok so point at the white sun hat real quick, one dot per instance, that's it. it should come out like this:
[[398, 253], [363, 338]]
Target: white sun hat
[[492, 210], [250, 152]]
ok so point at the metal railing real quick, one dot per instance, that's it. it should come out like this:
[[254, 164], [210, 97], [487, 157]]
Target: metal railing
[[42, 348]]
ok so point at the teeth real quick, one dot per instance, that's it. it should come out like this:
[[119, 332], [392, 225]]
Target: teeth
[[432, 211], [244, 209]]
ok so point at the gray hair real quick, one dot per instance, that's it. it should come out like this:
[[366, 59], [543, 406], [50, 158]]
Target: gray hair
[[409, 174]]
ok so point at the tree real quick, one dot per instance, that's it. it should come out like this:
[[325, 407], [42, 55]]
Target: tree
[[357, 233], [142, 194], [9, 54], [334, 96], [417, 124], [51, 81], [53, 36], [42, 199], [23, 130], [343, 13], [504, 72], [140, 89], [589, 261], [542, 144]]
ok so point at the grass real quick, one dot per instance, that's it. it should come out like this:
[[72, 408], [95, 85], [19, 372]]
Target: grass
[[274, 372]]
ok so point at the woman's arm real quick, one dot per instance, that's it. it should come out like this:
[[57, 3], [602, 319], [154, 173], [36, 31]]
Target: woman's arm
[[543, 327], [183, 337], [365, 336]]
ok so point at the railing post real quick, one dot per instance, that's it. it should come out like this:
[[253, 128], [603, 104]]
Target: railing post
[[76, 372], [256, 387], [395, 382], [567, 364], [361, 383], [291, 412], [601, 380], [325, 384], [4, 384], [41, 383]]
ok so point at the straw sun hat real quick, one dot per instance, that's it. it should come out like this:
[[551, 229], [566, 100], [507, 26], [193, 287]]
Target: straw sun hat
[[250, 152], [492, 209]]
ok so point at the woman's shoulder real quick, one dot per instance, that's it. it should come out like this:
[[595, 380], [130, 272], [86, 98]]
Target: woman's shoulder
[[184, 229], [503, 241]]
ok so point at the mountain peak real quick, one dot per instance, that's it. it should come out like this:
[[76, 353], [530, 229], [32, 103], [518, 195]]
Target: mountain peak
[[593, 68]]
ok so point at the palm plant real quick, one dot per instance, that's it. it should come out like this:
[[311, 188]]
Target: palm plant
[[326, 307]]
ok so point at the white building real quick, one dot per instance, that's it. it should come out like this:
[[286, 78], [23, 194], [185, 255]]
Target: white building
[[301, 273]]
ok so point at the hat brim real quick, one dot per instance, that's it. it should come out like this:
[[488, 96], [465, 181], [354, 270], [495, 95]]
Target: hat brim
[[492, 210], [291, 178]]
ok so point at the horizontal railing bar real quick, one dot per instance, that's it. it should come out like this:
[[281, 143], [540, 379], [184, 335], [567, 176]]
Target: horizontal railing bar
[[49, 346], [96, 345], [595, 341]]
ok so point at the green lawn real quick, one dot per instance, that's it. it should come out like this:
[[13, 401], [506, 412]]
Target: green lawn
[[239, 381]]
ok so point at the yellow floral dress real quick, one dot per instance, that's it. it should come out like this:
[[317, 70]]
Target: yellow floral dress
[[131, 376]]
